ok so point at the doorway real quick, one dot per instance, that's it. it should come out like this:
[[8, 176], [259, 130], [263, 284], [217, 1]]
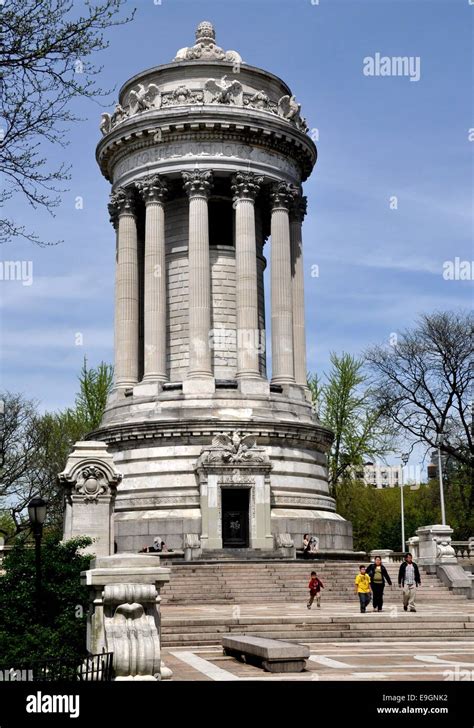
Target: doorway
[[235, 517]]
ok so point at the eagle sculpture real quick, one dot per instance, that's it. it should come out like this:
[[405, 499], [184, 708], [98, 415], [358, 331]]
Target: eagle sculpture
[[143, 98], [223, 92]]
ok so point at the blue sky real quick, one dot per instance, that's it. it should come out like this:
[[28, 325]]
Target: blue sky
[[378, 137]]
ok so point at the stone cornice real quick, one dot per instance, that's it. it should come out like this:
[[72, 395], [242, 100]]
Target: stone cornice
[[314, 436], [150, 130]]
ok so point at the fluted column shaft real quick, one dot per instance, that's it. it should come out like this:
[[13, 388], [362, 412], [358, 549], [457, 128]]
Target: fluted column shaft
[[297, 213], [153, 191], [197, 185], [281, 293], [126, 288], [245, 187]]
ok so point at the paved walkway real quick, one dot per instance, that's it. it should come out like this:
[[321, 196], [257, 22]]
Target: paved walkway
[[337, 661], [410, 659]]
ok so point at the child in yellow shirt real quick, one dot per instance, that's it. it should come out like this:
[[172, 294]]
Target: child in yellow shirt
[[362, 588]]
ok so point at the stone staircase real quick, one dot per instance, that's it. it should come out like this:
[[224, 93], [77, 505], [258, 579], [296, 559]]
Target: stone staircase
[[268, 599], [277, 582], [313, 628]]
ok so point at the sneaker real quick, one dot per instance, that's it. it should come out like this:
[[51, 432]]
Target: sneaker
[[406, 609], [413, 609], [309, 606], [319, 606]]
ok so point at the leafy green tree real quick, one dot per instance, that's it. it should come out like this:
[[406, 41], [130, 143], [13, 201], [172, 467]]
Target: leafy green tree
[[95, 387], [61, 630], [344, 404], [375, 513], [37, 447]]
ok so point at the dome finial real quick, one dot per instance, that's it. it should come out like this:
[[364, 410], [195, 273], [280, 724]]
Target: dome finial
[[205, 31], [205, 48]]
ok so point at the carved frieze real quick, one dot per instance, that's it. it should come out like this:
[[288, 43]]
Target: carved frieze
[[236, 448], [90, 473], [214, 91]]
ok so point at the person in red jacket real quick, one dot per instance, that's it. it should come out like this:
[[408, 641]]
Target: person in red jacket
[[315, 585]]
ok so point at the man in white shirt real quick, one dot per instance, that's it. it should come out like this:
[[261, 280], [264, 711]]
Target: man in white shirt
[[409, 580]]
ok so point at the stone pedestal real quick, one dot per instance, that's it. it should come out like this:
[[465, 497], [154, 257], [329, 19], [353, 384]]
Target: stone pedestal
[[385, 555], [435, 545], [125, 613], [90, 481], [192, 546], [414, 547], [285, 546]]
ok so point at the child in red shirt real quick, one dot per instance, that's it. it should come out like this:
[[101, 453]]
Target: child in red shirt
[[315, 585]]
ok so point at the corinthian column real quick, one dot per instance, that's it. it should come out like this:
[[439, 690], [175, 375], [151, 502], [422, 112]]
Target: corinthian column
[[122, 213], [153, 191], [281, 297], [245, 187], [297, 213], [197, 185]]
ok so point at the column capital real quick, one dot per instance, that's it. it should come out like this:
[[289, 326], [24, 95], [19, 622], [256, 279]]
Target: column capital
[[245, 185], [121, 202], [152, 189], [198, 182], [281, 195], [299, 207]]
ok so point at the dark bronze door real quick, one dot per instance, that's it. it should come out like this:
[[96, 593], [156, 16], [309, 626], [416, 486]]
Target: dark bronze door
[[235, 517]]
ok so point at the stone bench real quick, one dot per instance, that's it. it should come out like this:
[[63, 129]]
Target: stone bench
[[272, 655]]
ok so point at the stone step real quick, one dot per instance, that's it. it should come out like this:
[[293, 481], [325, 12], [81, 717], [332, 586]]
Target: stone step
[[213, 638], [265, 582]]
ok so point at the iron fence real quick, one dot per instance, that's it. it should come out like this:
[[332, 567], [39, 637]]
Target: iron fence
[[94, 668]]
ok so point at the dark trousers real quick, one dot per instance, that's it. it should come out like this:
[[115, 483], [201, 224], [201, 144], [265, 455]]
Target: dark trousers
[[377, 592], [364, 600]]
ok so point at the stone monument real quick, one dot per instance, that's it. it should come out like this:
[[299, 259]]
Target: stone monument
[[90, 484], [206, 156]]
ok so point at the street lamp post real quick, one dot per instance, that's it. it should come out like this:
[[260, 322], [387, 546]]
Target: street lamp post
[[2, 432], [37, 515], [439, 442], [404, 459]]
